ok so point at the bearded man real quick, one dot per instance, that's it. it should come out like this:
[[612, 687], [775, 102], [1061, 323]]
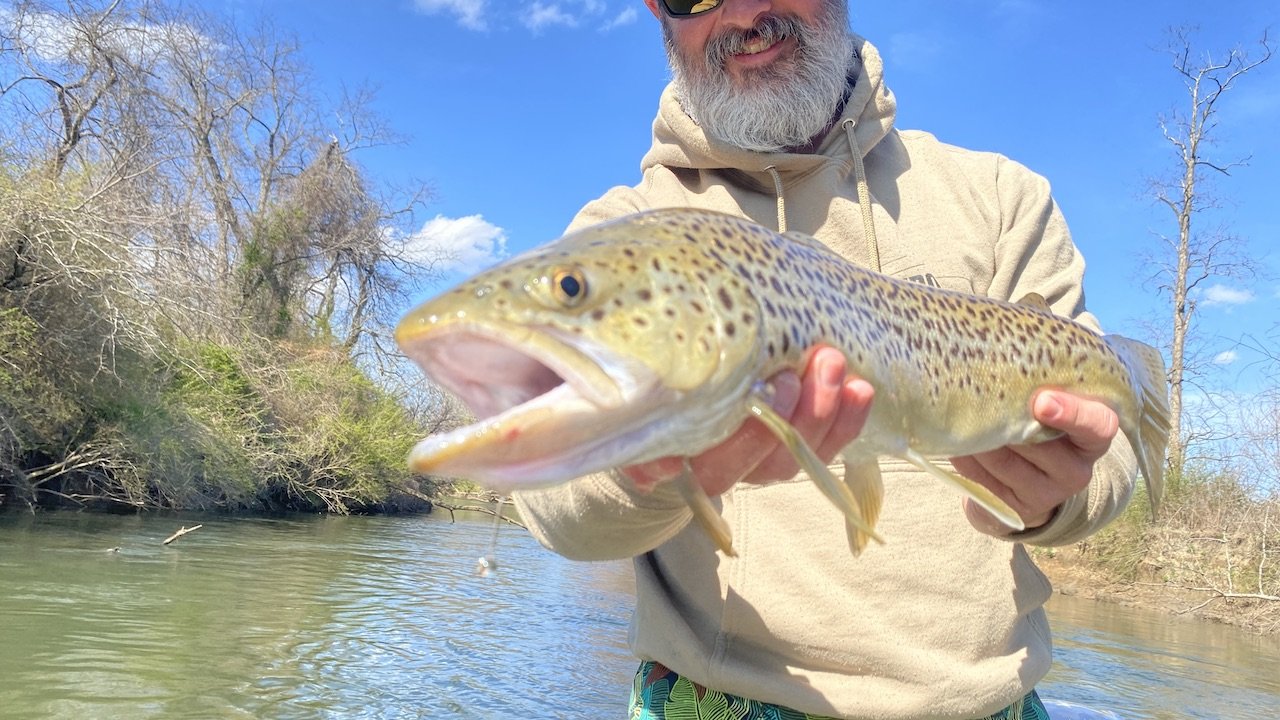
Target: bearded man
[[778, 113]]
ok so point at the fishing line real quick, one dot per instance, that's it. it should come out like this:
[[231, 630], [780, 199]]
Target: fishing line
[[488, 562]]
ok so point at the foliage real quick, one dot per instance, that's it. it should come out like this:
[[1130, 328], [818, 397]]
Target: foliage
[[196, 277], [252, 427], [1216, 537]]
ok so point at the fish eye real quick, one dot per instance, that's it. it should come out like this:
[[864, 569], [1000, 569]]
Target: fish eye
[[569, 286]]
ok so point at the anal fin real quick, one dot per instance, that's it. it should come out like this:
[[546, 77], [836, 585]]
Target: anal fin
[[862, 477], [970, 489]]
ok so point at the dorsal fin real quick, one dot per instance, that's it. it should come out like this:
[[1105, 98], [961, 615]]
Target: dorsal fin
[[1035, 300]]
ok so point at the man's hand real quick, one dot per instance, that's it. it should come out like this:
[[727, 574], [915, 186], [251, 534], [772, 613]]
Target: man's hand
[[825, 406], [1036, 479]]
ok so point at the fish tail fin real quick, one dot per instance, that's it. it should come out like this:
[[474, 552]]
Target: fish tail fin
[[1150, 430]]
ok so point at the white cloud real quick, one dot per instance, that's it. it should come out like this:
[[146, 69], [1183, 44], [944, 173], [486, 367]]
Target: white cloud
[[541, 15], [470, 14], [45, 35], [626, 17], [1226, 357], [481, 15], [54, 37], [1223, 295], [467, 244]]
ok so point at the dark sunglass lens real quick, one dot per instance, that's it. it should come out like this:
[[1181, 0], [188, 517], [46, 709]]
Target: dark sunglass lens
[[681, 8]]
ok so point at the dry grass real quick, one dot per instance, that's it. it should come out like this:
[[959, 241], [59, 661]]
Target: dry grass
[[1214, 553]]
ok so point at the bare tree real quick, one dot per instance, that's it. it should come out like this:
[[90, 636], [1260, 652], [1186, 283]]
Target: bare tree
[[1194, 255], [168, 181]]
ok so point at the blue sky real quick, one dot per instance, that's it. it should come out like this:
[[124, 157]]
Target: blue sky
[[517, 113]]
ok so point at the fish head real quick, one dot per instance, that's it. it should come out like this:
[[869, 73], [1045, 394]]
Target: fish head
[[589, 353]]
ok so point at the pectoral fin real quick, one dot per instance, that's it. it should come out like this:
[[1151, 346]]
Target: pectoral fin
[[972, 490], [837, 492], [704, 512], [862, 477]]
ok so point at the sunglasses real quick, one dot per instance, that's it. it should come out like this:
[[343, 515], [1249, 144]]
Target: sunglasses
[[689, 8]]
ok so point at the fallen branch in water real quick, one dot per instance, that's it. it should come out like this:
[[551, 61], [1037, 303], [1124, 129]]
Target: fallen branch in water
[[180, 533], [480, 496], [476, 508], [1220, 595]]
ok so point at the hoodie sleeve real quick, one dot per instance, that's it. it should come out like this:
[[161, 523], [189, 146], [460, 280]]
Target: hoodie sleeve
[[615, 203], [1035, 253], [603, 516]]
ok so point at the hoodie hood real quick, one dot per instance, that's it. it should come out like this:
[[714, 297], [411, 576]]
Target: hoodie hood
[[679, 142]]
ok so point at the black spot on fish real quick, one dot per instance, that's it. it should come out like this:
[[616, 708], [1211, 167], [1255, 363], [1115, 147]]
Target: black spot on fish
[[725, 298]]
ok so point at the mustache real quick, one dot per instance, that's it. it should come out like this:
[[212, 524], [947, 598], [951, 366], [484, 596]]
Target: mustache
[[770, 28]]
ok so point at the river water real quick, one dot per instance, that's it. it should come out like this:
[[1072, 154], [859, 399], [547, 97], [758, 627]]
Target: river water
[[375, 617]]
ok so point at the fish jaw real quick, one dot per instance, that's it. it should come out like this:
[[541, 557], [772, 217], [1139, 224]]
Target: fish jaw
[[551, 405]]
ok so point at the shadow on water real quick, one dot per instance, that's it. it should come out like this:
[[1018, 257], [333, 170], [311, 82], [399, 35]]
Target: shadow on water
[[355, 617]]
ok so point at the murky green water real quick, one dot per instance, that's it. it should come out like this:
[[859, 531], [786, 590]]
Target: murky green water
[[319, 617]]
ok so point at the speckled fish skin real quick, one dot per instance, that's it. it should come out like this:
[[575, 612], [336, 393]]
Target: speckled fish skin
[[650, 336]]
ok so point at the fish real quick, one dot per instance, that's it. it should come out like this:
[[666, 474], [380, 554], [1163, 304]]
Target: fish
[[655, 334]]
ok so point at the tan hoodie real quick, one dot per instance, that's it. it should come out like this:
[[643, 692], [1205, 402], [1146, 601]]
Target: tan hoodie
[[942, 621]]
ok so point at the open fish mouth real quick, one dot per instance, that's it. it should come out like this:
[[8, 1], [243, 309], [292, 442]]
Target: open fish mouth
[[549, 405], [487, 375]]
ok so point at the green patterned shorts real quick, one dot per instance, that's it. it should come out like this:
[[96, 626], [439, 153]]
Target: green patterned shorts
[[659, 693]]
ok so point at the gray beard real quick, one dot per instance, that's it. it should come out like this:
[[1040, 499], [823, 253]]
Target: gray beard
[[779, 107]]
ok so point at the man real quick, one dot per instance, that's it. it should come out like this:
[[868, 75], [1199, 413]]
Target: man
[[778, 113]]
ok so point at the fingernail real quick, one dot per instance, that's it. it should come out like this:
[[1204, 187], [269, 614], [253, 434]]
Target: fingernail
[[831, 374], [786, 392], [1050, 407], [860, 387]]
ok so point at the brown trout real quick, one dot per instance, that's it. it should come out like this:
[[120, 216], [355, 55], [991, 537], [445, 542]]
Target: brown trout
[[653, 336]]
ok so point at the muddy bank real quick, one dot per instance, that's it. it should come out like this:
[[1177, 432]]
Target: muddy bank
[[1071, 575]]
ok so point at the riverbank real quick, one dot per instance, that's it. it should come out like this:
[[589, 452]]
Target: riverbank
[[1210, 554], [1073, 574]]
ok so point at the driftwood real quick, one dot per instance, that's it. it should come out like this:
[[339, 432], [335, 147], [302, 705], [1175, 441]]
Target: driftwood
[[1220, 595], [475, 508], [181, 532]]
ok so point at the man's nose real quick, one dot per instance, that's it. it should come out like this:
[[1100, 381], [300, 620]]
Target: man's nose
[[743, 14]]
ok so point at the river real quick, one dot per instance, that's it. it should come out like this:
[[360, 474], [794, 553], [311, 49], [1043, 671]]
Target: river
[[376, 617]]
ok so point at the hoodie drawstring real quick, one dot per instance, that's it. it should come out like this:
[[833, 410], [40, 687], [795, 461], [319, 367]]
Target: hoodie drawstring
[[782, 203], [864, 197]]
